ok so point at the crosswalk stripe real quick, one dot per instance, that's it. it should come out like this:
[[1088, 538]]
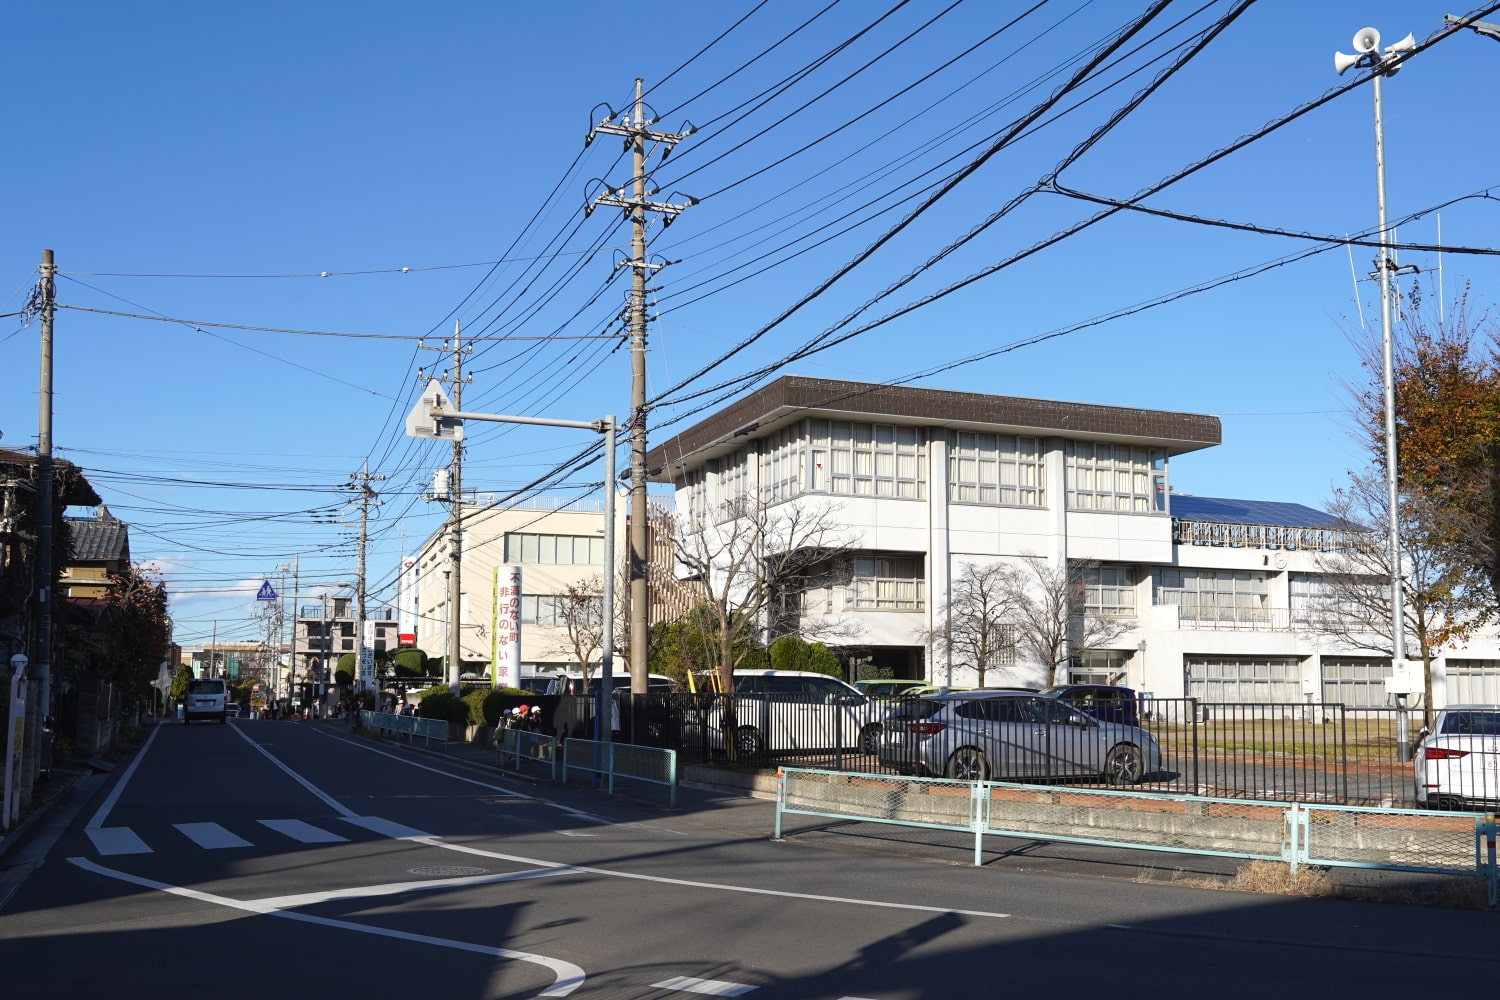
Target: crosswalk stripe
[[707, 987], [211, 836], [117, 840], [304, 833], [385, 827]]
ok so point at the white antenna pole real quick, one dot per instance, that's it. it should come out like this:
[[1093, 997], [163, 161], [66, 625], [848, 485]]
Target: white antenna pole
[[1354, 278]]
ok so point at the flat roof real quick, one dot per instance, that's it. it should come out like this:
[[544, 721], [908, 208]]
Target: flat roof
[[793, 397]]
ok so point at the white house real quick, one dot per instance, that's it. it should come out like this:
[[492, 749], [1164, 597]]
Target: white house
[[930, 480]]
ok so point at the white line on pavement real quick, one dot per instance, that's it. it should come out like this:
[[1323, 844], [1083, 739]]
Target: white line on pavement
[[568, 977], [211, 836], [116, 840], [114, 794], [397, 888], [301, 832], [707, 987]]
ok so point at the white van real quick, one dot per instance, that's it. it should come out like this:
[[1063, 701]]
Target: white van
[[789, 711], [207, 698]]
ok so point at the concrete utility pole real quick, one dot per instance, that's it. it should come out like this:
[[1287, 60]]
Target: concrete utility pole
[[634, 129], [367, 496], [455, 517], [42, 640]]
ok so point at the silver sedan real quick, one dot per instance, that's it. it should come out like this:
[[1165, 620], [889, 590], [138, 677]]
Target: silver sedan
[[980, 735]]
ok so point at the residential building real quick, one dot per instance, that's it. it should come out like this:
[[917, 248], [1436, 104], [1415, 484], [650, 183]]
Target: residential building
[[325, 631], [100, 547], [927, 482]]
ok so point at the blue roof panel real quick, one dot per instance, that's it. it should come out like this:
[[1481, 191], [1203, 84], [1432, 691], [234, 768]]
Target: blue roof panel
[[1285, 515]]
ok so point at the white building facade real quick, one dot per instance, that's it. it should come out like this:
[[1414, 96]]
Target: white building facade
[[929, 481], [554, 546]]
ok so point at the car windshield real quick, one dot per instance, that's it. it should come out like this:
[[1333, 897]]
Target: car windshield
[[1472, 723], [206, 687]]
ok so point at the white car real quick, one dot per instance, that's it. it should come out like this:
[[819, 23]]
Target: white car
[[207, 698], [1457, 764], [792, 711]]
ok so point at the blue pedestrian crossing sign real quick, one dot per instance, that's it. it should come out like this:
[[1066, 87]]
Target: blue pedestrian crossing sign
[[266, 592]]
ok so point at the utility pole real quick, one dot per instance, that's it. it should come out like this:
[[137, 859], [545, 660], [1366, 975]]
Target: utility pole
[[42, 640], [366, 497], [455, 521], [634, 128]]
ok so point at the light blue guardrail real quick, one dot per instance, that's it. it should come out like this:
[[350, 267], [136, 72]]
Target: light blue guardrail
[[407, 727], [622, 760], [1298, 833], [515, 746]]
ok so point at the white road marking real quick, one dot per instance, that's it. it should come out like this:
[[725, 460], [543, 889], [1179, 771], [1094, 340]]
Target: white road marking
[[386, 828], [114, 794], [397, 888], [568, 977], [707, 987], [210, 836], [304, 833], [332, 803], [569, 810], [116, 840]]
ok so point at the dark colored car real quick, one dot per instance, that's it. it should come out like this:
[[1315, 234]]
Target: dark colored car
[[1105, 702]]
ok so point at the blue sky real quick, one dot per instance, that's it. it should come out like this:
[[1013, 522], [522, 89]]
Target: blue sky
[[209, 163]]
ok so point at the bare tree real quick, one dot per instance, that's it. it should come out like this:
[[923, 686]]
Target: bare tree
[[755, 563], [1051, 616], [580, 611], [977, 627], [1445, 596]]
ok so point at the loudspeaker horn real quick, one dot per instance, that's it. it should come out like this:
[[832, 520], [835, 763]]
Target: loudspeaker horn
[[1366, 40], [1342, 62]]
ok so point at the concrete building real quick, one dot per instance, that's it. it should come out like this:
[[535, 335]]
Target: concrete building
[[1207, 591], [325, 631], [555, 544]]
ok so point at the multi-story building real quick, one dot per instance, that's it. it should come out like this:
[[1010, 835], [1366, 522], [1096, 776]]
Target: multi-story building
[[555, 545], [323, 632], [927, 482]]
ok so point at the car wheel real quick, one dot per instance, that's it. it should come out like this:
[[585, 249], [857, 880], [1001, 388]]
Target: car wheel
[[186, 721], [1124, 765], [223, 718], [969, 764], [748, 742], [869, 738]]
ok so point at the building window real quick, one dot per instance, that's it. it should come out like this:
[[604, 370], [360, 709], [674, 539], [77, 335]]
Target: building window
[[551, 610], [1098, 666], [734, 483], [560, 550], [1355, 681], [783, 463], [696, 483], [854, 459], [1001, 649], [995, 469], [887, 583], [1116, 477], [1267, 681], [1473, 682], [1109, 591], [1213, 595]]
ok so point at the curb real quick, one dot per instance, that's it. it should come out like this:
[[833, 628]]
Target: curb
[[42, 809]]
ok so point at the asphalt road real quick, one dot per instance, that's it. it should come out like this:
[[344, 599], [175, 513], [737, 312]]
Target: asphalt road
[[290, 859]]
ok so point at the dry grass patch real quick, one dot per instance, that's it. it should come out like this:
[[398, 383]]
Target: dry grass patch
[[1276, 878]]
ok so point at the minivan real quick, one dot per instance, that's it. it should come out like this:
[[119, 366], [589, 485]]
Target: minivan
[[207, 698], [790, 711]]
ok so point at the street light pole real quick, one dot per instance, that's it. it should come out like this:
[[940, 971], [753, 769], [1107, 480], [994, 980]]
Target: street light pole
[[1385, 62]]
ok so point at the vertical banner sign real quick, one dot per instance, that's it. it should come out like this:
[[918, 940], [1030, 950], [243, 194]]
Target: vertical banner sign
[[367, 657], [507, 627], [406, 603], [15, 734]]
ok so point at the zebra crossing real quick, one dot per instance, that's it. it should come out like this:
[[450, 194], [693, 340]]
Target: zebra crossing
[[118, 840]]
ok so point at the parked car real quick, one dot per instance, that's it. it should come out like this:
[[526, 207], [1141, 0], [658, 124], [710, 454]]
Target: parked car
[[888, 687], [1102, 701], [790, 711], [207, 698], [999, 734], [1457, 763]]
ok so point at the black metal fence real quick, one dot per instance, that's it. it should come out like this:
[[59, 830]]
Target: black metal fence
[[1279, 752]]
